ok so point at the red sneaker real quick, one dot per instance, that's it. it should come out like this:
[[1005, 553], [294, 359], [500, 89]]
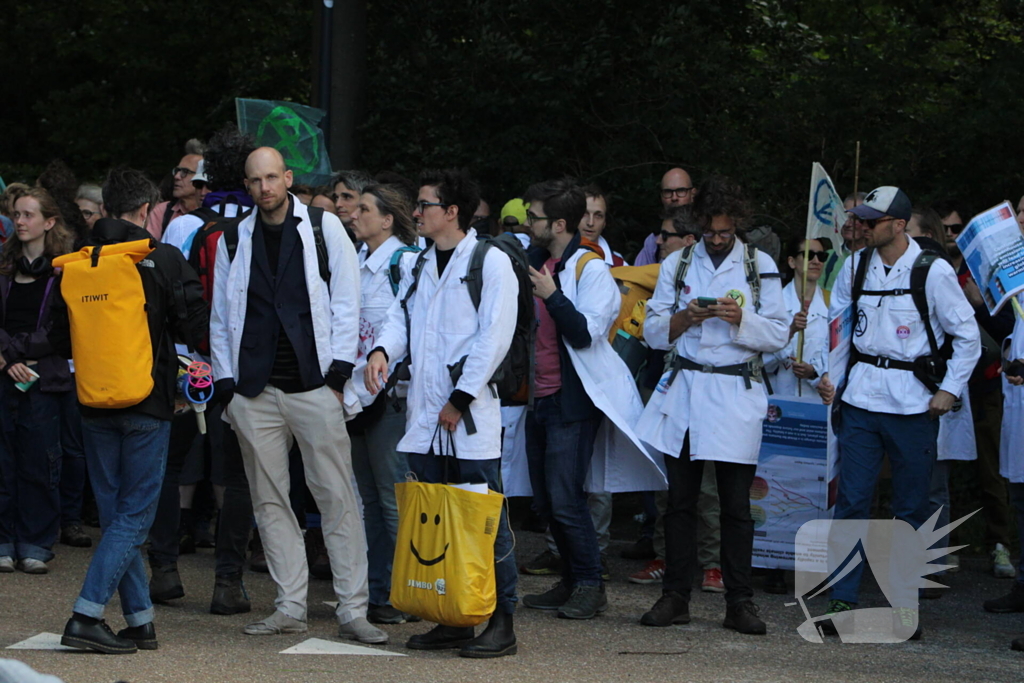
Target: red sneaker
[[652, 573], [713, 581]]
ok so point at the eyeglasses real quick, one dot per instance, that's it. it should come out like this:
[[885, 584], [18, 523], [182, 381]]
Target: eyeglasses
[[811, 255], [668, 192], [182, 172], [423, 204], [955, 228], [531, 219], [710, 235], [665, 234], [874, 222], [87, 214]]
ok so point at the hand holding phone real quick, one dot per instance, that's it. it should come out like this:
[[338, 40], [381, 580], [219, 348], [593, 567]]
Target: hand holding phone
[[705, 301]]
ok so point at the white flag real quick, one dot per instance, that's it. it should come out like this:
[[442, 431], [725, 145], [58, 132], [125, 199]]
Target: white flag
[[825, 212]]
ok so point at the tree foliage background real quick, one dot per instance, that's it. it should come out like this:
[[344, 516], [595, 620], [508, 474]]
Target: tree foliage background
[[518, 90]]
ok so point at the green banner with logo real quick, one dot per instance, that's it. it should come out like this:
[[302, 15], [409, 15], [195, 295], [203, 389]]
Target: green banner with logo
[[293, 130]]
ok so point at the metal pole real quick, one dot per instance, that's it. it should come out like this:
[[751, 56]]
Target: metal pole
[[325, 70]]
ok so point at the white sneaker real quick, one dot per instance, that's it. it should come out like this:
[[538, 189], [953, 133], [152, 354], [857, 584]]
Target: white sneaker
[[32, 566], [1001, 566], [6, 564], [363, 631], [275, 624]]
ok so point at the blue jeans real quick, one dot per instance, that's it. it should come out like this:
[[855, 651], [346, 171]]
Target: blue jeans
[[938, 496], [378, 466], [72, 469], [126, 455], [29, 472], [911, 444], [432, 469], [559, 455]]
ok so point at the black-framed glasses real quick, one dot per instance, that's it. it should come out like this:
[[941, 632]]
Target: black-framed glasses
[[874, 222], [955, 228], [87, 214], [668, 192], [531, 218], [811, 255], [181, 171], [667, 234], [710, 234], [423, 204]]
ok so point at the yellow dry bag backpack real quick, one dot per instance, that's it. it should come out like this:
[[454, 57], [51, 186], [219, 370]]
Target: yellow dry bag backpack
[[110, 340]]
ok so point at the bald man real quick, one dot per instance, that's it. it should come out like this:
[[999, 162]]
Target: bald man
[[283, 339], [676, 190]]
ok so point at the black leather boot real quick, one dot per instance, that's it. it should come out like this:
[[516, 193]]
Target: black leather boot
[[441, 638], [230, 596], [497, 640], [165, 584], [86, 633]]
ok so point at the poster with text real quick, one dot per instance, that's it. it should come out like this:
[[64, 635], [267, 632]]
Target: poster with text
[[993, 247]]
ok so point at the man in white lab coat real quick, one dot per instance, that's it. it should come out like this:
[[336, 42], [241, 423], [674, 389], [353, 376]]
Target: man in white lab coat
[[888, 407], [445, 329], [717, 319]]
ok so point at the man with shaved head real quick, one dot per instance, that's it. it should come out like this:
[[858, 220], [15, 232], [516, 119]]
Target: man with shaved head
[[284, 337], [676, 190]]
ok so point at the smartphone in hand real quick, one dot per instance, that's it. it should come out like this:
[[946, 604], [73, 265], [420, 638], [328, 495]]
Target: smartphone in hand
[[705, 301]]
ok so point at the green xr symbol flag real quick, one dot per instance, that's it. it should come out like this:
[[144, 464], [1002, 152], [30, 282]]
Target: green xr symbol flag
[[292, 129]]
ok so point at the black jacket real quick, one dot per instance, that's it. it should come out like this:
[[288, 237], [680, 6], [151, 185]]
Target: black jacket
[[54, 374], [164, 272]]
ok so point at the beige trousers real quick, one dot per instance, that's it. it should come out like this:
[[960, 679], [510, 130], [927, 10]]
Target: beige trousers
[[265, 426]]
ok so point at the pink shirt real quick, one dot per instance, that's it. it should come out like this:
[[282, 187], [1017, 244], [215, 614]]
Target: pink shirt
[[548, 371], [155, 221]]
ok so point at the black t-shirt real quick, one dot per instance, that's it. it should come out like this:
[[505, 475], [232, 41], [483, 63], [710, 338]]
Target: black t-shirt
[[23, 304], [443, 257], [285, 374]]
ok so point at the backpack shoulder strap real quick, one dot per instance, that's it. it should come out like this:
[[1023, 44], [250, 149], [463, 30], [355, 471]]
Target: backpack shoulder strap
[[583, 261], [682, 268], [918, 280], [475, 273], [395, 266], [753, 273], [168, 213], [231, 240], [316, 217]]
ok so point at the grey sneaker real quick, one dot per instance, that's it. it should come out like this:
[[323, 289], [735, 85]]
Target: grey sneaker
[[6, 564], [30, 565], [1001, 565], [551, 599], [586, 602], [277, 623], [363, 631]]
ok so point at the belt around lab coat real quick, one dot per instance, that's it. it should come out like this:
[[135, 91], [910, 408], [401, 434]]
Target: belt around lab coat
[[883, 362], [751, 370]]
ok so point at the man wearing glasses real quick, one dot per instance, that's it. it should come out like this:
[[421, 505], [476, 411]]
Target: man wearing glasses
[[986, 397], [676, 190], [853, 239], [887, 408], [186, 195]]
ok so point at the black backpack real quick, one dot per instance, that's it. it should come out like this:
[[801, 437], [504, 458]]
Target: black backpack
[[512, 379], [929, 369]]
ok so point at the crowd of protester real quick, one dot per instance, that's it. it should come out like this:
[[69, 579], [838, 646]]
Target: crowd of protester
[[349, 346]]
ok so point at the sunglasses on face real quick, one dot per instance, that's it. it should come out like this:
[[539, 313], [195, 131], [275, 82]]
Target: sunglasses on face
[[874, 222], [811, 255], [955, 228]]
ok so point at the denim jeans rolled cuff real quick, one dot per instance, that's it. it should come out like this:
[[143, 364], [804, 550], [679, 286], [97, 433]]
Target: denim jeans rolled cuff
[[430, 469], [95, 610], [7, 550]]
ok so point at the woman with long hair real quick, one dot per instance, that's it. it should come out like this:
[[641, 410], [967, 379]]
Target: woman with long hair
[[34, 383], [382, 221]]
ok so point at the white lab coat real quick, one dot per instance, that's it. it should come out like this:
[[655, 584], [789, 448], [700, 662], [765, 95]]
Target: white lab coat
[[722, 416], [335, 311], [890, 326], [620, 462], [1011, 439], [445, 327], [779, 364], [377, 297]]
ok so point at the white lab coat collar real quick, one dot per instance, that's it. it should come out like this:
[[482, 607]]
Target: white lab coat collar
[[375, 261], [903, 263]]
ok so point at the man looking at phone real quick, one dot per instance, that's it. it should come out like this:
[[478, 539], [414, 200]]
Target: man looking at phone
[[717, 306]]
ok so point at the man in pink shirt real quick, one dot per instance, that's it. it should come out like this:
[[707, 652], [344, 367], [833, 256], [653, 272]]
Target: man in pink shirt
[[186, 197]]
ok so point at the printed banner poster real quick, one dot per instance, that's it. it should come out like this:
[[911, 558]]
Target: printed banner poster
[[791, 484], [993, 248]]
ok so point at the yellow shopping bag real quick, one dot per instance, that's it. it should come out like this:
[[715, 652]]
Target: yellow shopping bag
[[444, 554]]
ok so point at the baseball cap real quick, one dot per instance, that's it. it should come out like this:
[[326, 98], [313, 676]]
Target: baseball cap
[[200, 176], [884, 201], [515, 208]]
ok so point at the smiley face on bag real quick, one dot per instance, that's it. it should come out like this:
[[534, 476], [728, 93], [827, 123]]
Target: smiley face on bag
[[412, 546]]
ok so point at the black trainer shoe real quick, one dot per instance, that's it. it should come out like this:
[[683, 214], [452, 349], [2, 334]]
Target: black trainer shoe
[[386, 614], [641, 550], [1011, 602], [86, 633], [545, 564], [230, 596], [143, 636], [834, 607], [441, 638], [73, 536], [671, 608], [586, 602], [742, 617], [165, 584], [497, 640], [551, 599]]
